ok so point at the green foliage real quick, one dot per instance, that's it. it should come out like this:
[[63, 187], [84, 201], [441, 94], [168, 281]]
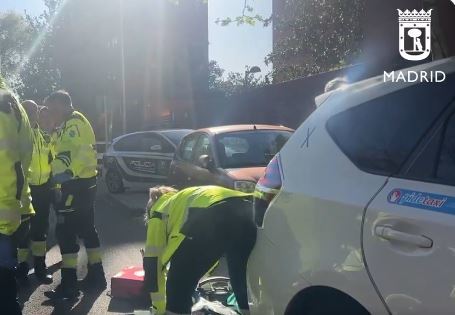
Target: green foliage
[[2, 83], [234, 82], [311, 36], [15, 39], [40, 74], [25, 56], [248, 17], [315, 36], [244, 19], [215, 75]]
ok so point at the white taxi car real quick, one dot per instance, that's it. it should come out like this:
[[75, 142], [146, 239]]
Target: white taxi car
[[356, 214]]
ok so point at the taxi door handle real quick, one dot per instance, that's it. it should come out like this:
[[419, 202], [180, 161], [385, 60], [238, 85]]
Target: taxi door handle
[[390, 234]]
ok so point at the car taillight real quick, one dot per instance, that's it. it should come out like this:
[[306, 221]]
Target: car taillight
[[267, 188]]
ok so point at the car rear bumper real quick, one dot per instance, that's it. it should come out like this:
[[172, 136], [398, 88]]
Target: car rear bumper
[[273, 278]]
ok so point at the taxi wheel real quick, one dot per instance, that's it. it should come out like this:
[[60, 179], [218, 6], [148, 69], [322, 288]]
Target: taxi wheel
[[321, 300], [114, 182]]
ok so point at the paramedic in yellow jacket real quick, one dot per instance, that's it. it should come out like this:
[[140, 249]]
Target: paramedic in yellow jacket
[[33, 232], [192, 229], [15, 155], [75, 169]]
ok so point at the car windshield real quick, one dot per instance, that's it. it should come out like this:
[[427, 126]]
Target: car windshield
[[249, 148], [175, 136]]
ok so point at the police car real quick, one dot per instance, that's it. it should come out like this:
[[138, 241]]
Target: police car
[[356, 214], [140, 157]]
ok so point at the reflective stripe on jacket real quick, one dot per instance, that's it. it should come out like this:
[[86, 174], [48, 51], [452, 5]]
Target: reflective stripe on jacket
[[167, 216], [41, 159], [16, 145], [75, 148]]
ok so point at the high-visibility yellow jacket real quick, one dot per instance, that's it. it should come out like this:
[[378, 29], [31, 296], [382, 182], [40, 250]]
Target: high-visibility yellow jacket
[[16, 147], [167, 216], [41, 159], [75, 148]]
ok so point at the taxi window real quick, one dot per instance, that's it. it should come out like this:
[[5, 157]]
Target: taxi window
[[379, 136], [446, 166]]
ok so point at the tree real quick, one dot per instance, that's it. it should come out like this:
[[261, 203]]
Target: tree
[[312, 36], [248, 17], [234, 82], [318, 36], [215, 75], [40, 74], [26, 44], [15, 38]]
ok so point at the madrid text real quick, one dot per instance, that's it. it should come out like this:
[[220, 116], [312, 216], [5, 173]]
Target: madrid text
[[415, 76]]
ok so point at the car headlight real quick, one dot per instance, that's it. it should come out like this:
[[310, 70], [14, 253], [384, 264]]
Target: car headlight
[[244, 186]]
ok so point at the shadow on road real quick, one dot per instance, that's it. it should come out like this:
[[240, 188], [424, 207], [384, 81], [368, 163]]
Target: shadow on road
[[124, 306], [26, 292], [82, 306], [122, 232]]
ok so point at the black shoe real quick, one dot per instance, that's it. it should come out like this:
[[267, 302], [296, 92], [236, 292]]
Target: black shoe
[[62, 292], [41, 272], [67, 289], [95, 279], [22, 274]]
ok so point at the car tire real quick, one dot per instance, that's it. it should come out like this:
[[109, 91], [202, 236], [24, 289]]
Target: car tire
[[114, 182], [324, 301]]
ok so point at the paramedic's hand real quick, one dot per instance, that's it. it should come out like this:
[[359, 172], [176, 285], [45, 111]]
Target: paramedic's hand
[[63, 177], [158, 309], [152, 311]]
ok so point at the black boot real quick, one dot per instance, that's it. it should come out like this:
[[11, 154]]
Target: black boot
[[41, 272], [22, 274], [8, 293], [67, 289], [95, 278]]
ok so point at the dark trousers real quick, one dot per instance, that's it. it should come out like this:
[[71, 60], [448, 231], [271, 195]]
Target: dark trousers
[[8, 289], [76, 216], [41, 199], [37, 226], [22, 235], [225, 229]]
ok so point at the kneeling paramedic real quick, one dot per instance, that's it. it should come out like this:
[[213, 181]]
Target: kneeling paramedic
[[192, 229], [75, 169], [16, 146]]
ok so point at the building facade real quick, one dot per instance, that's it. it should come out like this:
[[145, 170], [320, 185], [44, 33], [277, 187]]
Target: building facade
[[134, 64]]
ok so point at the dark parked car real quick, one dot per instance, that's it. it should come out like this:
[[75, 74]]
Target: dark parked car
[[230, 156], [140, 157]]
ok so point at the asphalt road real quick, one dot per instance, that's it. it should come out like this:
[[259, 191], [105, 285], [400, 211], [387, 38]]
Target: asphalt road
[[122, 233]]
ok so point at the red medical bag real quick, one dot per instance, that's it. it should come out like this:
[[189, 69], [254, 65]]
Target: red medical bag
[[128, 283]]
